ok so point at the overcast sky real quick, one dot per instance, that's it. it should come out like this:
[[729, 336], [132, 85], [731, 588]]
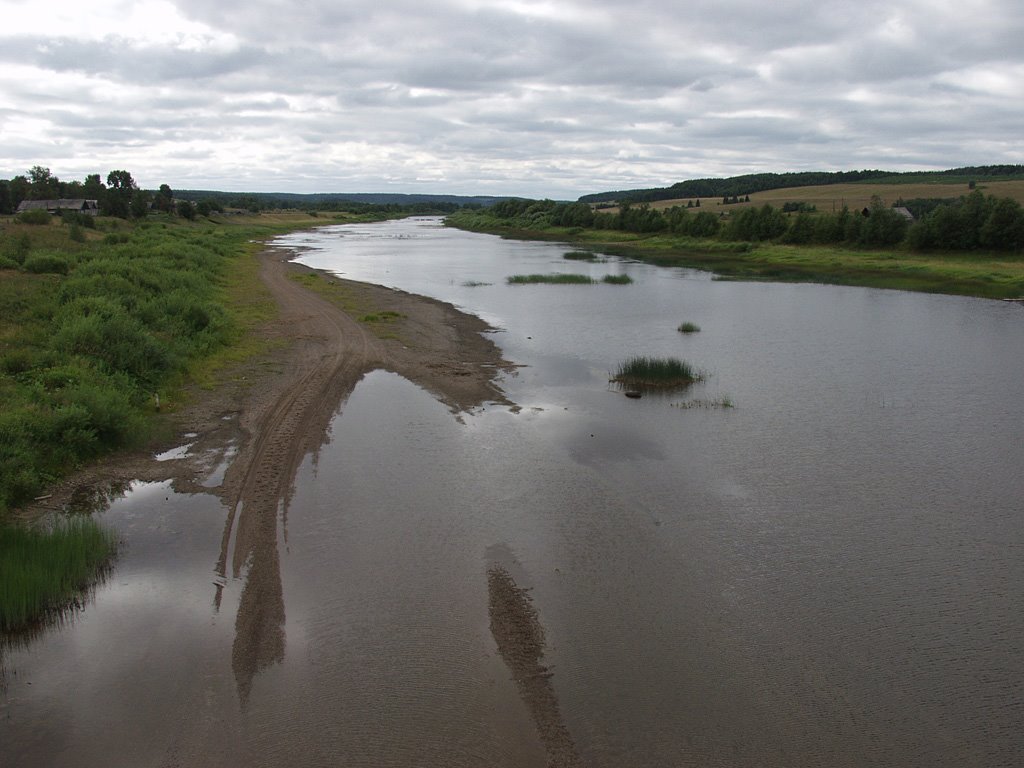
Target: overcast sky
[[541, 99]]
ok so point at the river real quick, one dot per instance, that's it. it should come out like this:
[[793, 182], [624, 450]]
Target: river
[[827, 573]]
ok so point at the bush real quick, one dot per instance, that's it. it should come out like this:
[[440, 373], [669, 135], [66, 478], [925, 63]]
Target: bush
[[18, 248], [43, 263], [119, 342], [35, 216]]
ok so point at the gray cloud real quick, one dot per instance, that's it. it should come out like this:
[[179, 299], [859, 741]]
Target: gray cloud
[[534, 98]]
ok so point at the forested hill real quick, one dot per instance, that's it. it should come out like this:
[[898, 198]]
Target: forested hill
[[759, 182], [294, 200]]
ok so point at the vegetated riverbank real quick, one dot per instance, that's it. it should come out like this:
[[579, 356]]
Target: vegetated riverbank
[[977, 273], [124, 337]]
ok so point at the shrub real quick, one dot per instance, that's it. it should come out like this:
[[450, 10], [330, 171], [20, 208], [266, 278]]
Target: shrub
[[18, 248], [35, 216], [118, 342], [43, 263]]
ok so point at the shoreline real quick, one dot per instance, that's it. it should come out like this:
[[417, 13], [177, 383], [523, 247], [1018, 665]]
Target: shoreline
[[281, 402], [978, 275]]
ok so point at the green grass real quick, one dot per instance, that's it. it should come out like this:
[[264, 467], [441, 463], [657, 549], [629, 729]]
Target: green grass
[[474, 284], [688, 328], [583, 256], [381, 317], [568, 279], [656, 373], [555, 279], [91, 331], [44, 571]]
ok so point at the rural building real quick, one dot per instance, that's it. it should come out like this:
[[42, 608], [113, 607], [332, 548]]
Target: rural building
[[80, 205], [904, 212]]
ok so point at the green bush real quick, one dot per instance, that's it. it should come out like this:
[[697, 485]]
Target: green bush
[[46, 263], [35, 216], [120, 342], [17, 248]]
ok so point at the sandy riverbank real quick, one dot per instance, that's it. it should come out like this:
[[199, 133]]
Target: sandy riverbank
[[266, 414]]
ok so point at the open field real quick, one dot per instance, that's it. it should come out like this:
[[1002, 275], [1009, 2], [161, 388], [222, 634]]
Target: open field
[[830, 197]]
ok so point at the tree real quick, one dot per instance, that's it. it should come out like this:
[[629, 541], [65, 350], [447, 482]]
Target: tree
[[883, 226], [139, 206], [117, 200], [93, 188], [163, 200], [43, 184], [1004, 227], [19, 187], [5, 198], [185, 209]]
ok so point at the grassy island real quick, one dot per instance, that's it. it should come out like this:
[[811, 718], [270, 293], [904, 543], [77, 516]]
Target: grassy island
[[656, 373]]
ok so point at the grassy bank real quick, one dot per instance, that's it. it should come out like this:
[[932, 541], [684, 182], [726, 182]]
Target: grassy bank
[[110, 325], [102, 332], [987, 275]]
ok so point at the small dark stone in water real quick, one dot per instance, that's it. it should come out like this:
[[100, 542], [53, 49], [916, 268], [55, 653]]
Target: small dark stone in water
[[632, 393]]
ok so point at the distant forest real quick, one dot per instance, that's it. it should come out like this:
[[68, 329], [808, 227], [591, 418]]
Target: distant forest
[[121, 196], [741, 186]]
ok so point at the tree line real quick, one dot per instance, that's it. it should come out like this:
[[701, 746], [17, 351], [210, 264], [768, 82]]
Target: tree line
[[971, 222], [122, 197], [749, 184], [119, 196]]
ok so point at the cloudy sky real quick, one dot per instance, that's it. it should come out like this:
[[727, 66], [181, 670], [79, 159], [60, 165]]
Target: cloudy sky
[[526, 97]]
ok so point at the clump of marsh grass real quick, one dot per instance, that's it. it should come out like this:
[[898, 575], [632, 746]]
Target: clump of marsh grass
[[617, 279], [473, 284], [688, 328], [656, 373], [583, 256], [44, 570], [556, 279], [719, 402]]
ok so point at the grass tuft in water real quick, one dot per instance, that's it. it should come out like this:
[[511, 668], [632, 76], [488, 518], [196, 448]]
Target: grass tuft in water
[[688, 328], [719, 402], [656, 373], [46, 570], [473, 284], [583, 256], [556, 279], [617, 279]]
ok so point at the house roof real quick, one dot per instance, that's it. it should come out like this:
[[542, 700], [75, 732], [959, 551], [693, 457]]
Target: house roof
[[73, 204]]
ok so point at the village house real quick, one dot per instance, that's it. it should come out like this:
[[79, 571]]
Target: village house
[[81, 205]]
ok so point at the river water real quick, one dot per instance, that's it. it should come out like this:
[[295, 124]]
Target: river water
[[828, 573]]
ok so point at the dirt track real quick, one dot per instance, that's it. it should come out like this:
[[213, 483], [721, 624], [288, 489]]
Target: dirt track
[[430, 343]]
